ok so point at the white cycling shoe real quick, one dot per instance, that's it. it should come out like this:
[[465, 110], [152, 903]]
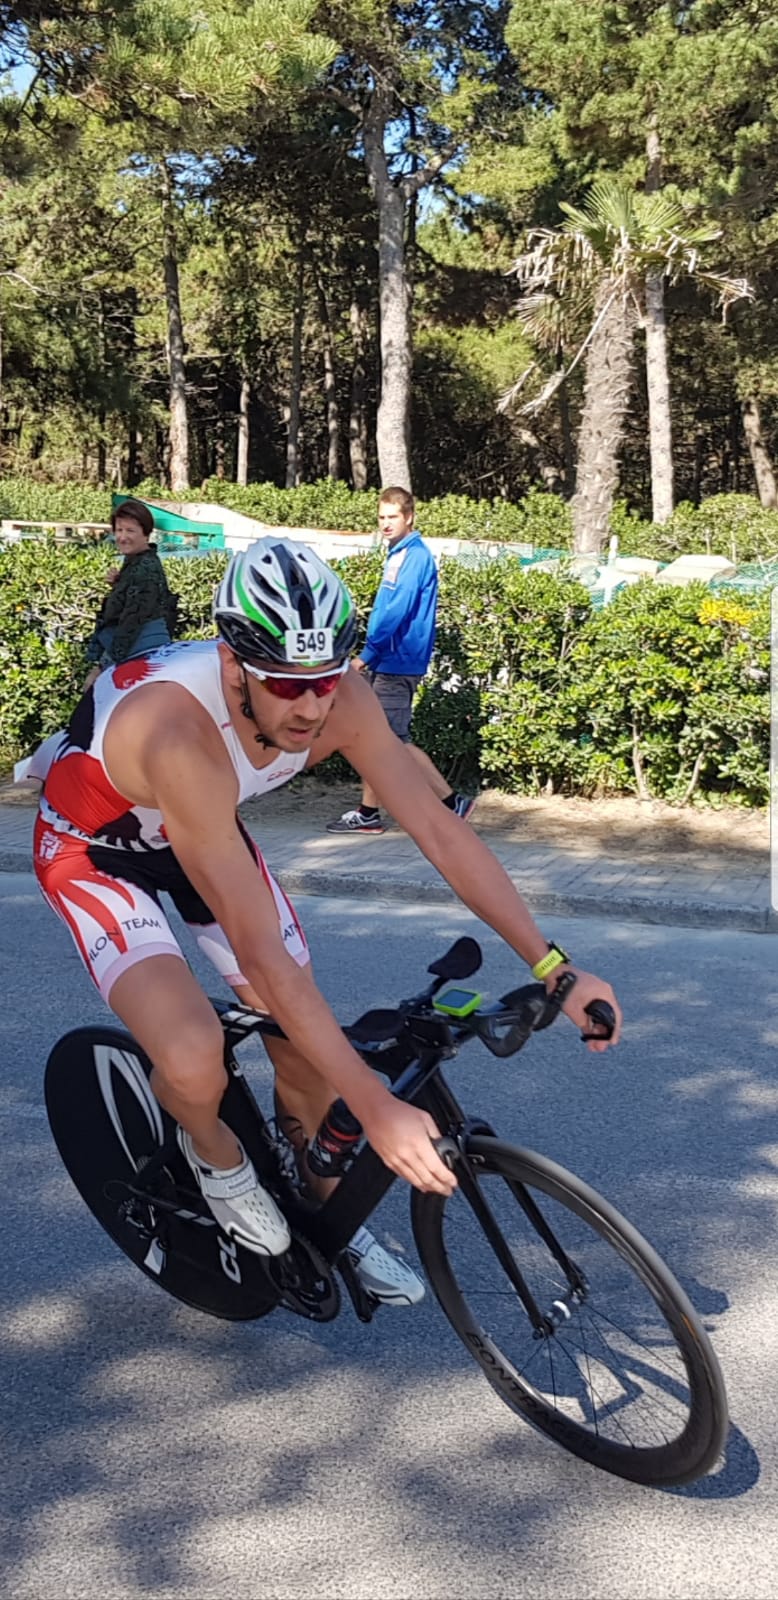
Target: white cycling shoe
[[243, 1209], [384, 1276]]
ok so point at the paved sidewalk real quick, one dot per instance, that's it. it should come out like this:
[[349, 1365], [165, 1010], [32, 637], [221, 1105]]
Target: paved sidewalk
[[692, 891]]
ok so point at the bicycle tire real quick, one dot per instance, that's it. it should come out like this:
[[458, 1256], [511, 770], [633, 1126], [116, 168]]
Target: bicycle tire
[[547, 1386], [106, 1123]]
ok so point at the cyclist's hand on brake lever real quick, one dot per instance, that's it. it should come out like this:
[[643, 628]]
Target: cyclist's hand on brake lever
[[402, 1136], [587, 988]]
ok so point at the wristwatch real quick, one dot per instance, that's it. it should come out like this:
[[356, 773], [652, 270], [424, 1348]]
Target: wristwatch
[[547, 964]]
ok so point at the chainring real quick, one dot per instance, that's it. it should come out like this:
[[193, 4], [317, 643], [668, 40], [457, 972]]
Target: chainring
[[305, 1282]]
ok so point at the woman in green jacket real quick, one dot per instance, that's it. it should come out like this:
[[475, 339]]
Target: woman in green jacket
[[135, 615]]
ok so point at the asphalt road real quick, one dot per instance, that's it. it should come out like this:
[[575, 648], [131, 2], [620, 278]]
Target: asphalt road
[[152, 1452]]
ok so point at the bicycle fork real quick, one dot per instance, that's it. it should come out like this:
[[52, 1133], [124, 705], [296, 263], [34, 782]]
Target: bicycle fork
[[453, 1149]]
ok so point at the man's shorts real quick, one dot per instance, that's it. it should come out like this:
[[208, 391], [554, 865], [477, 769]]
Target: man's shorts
[[109, 901], [396, 696]]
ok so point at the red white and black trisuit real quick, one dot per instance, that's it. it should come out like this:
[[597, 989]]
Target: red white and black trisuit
[[102, 862]]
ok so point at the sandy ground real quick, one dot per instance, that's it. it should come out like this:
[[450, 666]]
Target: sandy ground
[[650, 830]]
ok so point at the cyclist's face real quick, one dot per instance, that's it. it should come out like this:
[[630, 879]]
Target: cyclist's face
[[289, 724]]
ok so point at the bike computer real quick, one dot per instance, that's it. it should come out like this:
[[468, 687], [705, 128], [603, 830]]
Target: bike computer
[[457, 1002]]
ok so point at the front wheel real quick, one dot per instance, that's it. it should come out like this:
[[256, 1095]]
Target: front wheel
[[610, 1360]]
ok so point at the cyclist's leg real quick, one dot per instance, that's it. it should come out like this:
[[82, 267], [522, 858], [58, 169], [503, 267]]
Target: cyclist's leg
[[302, 1094], [162, 1005], [167, 1012], [132, 955]]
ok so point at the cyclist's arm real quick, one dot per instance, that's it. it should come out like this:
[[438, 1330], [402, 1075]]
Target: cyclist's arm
[[474, 873], [197, 794]]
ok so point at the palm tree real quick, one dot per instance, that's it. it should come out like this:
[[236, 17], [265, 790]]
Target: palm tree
[[595, 269]]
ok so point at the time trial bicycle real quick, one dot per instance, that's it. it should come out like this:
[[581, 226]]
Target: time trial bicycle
[[573, 1318]]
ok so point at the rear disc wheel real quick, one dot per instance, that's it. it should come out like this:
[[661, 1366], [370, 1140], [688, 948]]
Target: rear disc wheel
[[107, 1126]]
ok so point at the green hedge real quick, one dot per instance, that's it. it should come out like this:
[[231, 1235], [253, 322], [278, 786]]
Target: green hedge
[[540, 519], [728, 524], [666, 692], [733, 525], [28, 501]]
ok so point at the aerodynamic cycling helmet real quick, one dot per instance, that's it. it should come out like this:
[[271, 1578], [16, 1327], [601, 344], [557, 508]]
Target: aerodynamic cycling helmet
[[278, 601]]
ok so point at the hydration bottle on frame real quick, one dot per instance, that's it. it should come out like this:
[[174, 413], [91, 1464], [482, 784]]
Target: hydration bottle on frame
[[335, 1141]]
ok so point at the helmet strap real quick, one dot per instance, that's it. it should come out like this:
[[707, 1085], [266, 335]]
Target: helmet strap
[[248, 711]]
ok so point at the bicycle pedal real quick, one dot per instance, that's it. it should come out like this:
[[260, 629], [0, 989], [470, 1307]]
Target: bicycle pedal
[[364, 1303]]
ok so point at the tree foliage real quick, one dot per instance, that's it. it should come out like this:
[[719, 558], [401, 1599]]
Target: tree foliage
[[495, 121]]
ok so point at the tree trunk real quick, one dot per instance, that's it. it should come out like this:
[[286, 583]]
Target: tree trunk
[[330, 384], [547, 469], [700, 442], [393, 423], [357, 426], [162, 454], [657, 364], [242, 472], [102, 453], [725, 462], [568, 447], [102, 462], [176, 349], [219, 444], [735, 419], [132, 453], [606, 396], [293, 421], [757, 449], [204, 465], [658, 384]]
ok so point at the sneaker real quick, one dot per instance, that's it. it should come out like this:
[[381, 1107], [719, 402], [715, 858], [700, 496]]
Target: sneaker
[[242, 1208], [384, 1276], [354, 822], [464, 804]]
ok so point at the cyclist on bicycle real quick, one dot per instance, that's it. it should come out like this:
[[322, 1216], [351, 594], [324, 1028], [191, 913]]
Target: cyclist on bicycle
[[141, 796]]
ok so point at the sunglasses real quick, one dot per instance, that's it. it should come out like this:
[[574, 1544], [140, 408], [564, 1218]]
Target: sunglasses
[[285, 688]]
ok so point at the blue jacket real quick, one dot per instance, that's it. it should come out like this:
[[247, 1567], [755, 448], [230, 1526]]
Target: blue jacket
[[401, 630]]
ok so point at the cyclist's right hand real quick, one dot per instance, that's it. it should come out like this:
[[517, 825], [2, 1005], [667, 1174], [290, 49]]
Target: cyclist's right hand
[[402, 1136]]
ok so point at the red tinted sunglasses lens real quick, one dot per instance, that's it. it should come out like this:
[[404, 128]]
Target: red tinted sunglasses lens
[[292, 688]]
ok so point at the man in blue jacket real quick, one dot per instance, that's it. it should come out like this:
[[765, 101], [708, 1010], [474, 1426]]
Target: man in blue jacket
[[398, 648]]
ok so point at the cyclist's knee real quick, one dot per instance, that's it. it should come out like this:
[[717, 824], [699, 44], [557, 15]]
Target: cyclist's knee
[[192, 1063]]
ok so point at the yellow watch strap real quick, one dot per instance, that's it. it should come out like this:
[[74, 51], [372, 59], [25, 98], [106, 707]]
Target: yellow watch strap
[[549, 963]]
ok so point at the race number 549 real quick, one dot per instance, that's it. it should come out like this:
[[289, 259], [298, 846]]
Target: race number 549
[[309, 644]]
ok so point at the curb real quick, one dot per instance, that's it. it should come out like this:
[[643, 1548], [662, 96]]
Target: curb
[[545, 902], [673, 913]]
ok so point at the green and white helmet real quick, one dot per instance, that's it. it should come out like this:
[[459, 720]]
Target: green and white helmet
[[278, 601]]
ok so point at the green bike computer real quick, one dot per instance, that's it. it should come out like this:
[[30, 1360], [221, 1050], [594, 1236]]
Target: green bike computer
[[457, 1002]]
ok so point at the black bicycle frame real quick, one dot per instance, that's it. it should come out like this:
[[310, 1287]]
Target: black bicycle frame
[[367, 1180], [416, 1078]]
